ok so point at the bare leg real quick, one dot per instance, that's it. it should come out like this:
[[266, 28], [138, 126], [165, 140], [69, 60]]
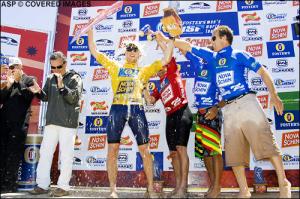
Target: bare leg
[[184, 168], [239, 172], [148, 165], [176, 165], [284, 184], [208, 161], [218, 170], [112, 168]]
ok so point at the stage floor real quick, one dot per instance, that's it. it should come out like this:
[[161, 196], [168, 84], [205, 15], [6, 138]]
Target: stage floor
[[103, 192]]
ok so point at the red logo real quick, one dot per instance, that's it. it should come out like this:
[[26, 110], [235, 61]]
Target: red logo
[[255, 50], [97, 142], [251, 17], [100, 74], [154, 141], [126, 141], [152, 9], [263, 99], [295, 3], [78, 27], [99, 106], [224, 5], [198, 42], [123, 39], [290, 139], [78, 57], [278, 32]]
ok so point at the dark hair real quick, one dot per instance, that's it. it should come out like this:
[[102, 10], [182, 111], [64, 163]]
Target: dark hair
[[225, 31], [58, 55]]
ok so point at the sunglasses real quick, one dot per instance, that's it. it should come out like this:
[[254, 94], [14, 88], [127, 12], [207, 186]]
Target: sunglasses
[[57, 67], [213, 38], [131, 47], [12, 67]]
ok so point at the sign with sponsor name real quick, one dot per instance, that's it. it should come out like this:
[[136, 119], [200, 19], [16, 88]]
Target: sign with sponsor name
[[290, 139]]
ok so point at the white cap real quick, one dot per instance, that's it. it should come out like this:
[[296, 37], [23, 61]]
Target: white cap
[[14, 61]]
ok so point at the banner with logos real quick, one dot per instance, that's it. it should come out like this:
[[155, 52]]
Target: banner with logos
[[266, 29]]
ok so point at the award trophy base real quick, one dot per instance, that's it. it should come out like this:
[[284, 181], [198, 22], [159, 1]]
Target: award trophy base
[[260, 188]]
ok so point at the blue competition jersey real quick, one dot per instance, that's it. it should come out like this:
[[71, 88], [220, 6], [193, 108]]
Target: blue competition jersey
[[205, 89], [231, 67]]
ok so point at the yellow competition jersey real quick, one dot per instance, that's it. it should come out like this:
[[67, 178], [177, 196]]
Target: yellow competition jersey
[[127, 81]]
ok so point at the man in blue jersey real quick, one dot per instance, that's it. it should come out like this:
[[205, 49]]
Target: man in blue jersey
[[208, 123], [245, 124]]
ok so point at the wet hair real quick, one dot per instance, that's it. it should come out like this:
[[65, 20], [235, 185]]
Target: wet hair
[[225, 31], [58, 55]]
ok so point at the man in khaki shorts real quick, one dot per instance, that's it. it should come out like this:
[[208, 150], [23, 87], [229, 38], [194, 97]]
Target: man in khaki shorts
[[245, 124]]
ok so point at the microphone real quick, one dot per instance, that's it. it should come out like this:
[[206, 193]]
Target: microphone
[[145, 31]]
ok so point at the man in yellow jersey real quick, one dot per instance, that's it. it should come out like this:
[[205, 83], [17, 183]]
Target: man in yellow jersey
[[128, 82]]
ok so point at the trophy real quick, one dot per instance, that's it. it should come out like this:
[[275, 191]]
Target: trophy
[[260, 185], [171, 22]]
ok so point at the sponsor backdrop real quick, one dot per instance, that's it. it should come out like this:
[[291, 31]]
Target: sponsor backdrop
[[266, 29]]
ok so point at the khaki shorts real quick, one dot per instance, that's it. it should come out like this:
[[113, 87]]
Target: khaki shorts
[[245, 126]]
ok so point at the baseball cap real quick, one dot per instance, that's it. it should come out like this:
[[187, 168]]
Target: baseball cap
[[14, 61]]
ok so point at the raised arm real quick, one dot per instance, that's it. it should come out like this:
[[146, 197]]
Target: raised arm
[[168, 53]]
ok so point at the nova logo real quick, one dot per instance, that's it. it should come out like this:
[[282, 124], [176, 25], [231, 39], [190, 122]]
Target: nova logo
[[100, 74], [278, 33], [125, 87], [225, 78], [255, 50], [198, 42], [224, 5], [201, 88], [222, 61], [280, 47], [125, 39], [289, 117], [128, 9], [97, 142], [151, 10]]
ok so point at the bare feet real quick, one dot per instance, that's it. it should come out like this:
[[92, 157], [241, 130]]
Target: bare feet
[[285, 190], [244, 195], [168, 195], [113, 195], [214, 193], [208, 191]]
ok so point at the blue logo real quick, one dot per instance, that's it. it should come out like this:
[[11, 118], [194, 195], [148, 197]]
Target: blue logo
[[9, 41], [128, 72], [248, 5], [186, 69], [129, 12], [81, 44], [96, 124], [280, 49], [288, 120]]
